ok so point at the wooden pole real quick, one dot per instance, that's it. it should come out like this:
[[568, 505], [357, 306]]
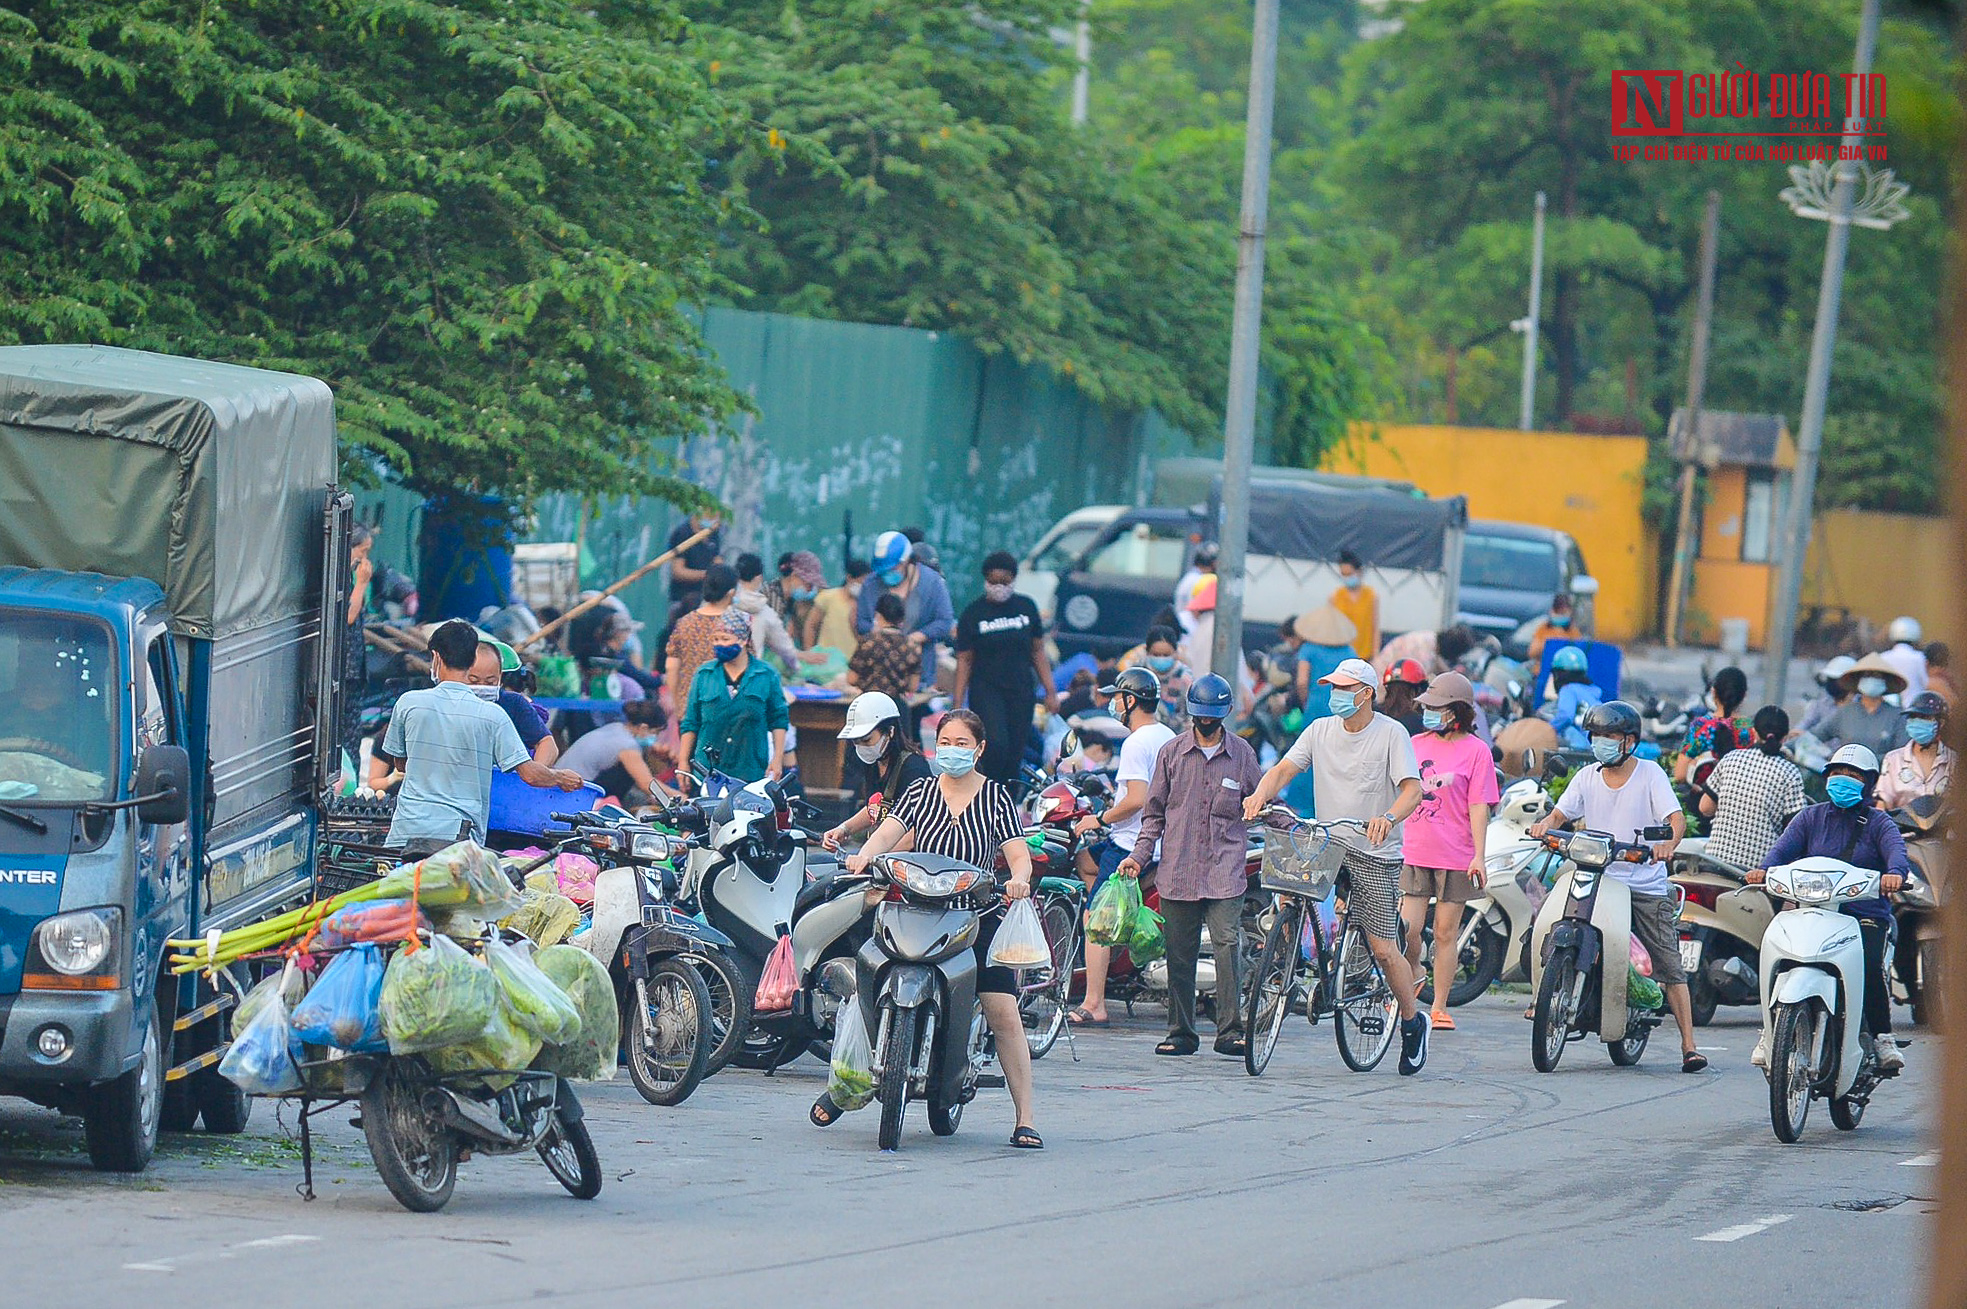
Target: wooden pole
[[1683, 537], [630, 580]]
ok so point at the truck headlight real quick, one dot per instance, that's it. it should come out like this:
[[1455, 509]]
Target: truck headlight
[[76, 951]]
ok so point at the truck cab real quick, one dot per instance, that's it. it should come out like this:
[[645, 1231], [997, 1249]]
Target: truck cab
[[172, 561]]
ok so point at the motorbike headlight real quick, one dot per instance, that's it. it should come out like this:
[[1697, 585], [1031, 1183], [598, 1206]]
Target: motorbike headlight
[[653, 846], [916, 878], [1046, 806], [77, 950], [1587, 849], [1812, 887]]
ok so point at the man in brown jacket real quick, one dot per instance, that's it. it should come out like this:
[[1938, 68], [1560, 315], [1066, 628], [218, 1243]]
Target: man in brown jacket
[[1195, 811]]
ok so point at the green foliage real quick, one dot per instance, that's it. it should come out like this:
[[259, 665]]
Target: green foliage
[[480, 222]]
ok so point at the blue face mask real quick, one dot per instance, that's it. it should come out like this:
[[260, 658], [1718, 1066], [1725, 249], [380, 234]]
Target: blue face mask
[[1922, 730], [1560, 620], [1161, 663], [1343, 703], [1434, 719], [804, 592], [890, 576], [726, 653], [955, 760], [1607, 750], [1844, 792], [1872, 688]]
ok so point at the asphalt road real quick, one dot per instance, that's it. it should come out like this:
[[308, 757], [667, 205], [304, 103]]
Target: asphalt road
[[1176, 1182]]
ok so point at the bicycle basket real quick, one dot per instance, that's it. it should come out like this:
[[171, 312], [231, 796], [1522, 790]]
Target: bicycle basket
[[1303, 861]]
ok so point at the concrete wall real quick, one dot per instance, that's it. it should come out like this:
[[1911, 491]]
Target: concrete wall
[[1882, 565], [1589, 486]]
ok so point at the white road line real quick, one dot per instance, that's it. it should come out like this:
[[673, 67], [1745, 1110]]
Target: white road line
[[1529, 1304], [1739, 1230], [169, 1264], [1927, 1160]]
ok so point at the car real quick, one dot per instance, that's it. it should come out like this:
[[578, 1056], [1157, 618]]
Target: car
[[1511, 572], [1058, 550]]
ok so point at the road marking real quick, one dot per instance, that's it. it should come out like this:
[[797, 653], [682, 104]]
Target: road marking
[[1927, 1160], [1529, 1304], [169, 1264], [1739, 1230]]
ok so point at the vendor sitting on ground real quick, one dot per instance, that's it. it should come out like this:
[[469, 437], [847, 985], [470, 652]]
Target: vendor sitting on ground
[[611, 756]]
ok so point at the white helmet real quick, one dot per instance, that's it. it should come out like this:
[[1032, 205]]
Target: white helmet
[[1836, 668], [1855, 756], [866, 712], [1905, 628]]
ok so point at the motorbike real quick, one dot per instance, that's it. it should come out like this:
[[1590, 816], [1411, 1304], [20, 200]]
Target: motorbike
[[1581, 951], [1722, 922], [1813, 996], [916, 983], [1494, 942], [1916, 907], [747, 876], [657, 954]]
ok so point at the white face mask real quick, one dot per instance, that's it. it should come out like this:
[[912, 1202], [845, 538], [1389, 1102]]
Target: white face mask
[[870, 749], [485, 692]]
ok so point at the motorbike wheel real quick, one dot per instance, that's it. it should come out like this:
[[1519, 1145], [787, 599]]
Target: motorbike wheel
[[1926, 997], [669, 1038], [415, 1155], [1365, 1014], [1625, 1053], [1479, 965], [1044, 1009], [1556, 1000], [1267, 1000], [730, 1007], [893, 1091], [568, 1153], [1846, 1113], [1792, 1069], [1704, 999]]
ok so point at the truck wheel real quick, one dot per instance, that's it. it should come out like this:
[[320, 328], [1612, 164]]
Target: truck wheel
[[225, 1108], [180, 1112], [120, 1119]]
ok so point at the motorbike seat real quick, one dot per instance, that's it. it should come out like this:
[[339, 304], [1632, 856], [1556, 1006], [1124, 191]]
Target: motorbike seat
[[817, 889]]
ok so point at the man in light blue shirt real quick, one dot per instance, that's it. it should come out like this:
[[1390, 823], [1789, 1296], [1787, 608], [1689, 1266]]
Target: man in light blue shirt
[[448, 740]]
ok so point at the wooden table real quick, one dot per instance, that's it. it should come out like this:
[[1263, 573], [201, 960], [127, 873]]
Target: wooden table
[[822, 754]]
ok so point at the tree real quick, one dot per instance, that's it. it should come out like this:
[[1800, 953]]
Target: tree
[[481, 223]]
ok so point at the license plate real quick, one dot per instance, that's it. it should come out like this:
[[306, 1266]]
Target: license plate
[[1690, 956]]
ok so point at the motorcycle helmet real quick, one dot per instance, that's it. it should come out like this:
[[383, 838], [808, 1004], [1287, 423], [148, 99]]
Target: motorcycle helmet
[[1833, 672], [867, 713], [1613, 718], [1927, 704], [1139, 683], [1206, 555], [1210, 697], [1570, 659], [891, 551], [1857, 759], [1905, 628], [1408, 671]]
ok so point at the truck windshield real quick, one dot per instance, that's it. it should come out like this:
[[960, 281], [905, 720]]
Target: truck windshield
[[1509, 563], [57, 709], [1152, 550]]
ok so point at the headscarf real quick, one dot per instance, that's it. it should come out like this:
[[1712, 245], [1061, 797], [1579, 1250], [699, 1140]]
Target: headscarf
[[806, 567], [738, 623]]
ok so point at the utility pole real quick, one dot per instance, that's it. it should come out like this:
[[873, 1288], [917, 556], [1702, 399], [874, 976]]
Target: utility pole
[[1245, 342], [1082, 77], [1816, 385], [1528, 325], [1683, 537]]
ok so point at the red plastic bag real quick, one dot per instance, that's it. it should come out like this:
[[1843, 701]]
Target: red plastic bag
[[1642, 962], [780, 981]]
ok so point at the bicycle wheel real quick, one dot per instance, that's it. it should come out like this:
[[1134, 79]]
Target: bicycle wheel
[[1268, 998], [1045, 1003], [1366, 1013]]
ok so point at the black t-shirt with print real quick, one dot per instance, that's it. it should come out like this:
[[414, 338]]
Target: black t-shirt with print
[[701, 555], [999, 639]]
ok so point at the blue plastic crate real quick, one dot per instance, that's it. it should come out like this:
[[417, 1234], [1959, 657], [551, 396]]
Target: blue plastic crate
[[527, 810]]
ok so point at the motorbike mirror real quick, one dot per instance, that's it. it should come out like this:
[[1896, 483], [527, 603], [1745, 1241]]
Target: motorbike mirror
[[1658, 833], [1070, 745]]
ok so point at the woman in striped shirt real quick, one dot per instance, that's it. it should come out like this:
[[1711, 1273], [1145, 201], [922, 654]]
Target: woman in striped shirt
[[961, 814]]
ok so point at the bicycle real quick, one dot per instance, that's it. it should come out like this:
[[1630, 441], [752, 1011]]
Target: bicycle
[[1045, 995], [1302, 864]]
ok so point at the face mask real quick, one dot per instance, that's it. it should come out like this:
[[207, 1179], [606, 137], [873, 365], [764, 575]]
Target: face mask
[[1844, 792], [1560, 621], [1342, 703], [854, 588], [1872, 688], [1161, 663], [1922, 730], [485, 692], [890, 576], [955, 760], [1207, 729], [804, 592], [1607, 750], [997, 592], [870, 749], [1354, 582], [726, 653], [1434, 719]]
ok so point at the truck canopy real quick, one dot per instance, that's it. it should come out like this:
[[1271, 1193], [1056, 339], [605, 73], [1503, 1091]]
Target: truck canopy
[[1390, 528], [189, 473]]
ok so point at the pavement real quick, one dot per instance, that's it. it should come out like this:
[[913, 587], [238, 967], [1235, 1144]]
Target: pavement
[[1479, 1184]]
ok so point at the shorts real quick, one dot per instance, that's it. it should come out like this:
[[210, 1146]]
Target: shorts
[[1445, 885], [1108, 854], [1658, 929], [992, 978], [1373, 901]]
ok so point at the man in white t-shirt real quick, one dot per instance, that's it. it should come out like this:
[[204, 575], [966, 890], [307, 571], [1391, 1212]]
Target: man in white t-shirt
[[1363, 768], [1135, 697], [1622, 796]]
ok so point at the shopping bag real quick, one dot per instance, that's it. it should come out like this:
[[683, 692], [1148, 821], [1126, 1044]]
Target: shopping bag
[[538, 1005], [436, 996], [343, 1009], [1639, 958], [265, 1057], [1020, 941], [780, 981], [1145, 942], [1642, 992], [1111, 919], [850, 1084]]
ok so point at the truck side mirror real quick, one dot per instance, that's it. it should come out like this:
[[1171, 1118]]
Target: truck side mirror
[[1584, 584], [164, 772]]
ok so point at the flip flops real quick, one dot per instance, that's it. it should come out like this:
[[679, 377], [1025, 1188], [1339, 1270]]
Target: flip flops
[[1083, 1017]]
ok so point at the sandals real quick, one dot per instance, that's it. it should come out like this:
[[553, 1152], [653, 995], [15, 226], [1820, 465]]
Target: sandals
[[1178, 1046], [825, 1113], [1232, 1044], [1024, 1138], [1693, 1062], [1083, 1017], [1440, 1021]]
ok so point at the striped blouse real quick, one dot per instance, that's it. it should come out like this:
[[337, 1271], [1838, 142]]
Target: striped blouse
[[975, 836]]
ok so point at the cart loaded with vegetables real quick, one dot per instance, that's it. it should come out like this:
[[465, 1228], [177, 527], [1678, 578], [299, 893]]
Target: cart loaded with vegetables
[[440, 999]]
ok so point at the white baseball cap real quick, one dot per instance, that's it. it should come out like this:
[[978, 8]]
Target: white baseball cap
[[1352, 670]]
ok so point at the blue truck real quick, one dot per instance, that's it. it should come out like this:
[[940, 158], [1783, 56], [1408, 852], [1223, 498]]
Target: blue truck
[[173, 580]]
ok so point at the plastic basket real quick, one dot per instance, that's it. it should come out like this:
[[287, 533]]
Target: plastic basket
[[527, 810], [1303, 861]]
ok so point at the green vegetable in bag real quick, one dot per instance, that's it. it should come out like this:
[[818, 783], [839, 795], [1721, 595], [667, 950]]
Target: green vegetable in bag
[[290, 984], [850, 1084], [1642, 992], [590, 1055], [435, 996], [504, 1046], [465, 878], [1145, 942], [559, 678], [1111, 918], [539, 1006]]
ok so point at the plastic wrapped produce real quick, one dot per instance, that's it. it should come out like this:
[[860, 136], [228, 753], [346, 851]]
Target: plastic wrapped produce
[[1111, 919], [435, 996], [1642, 992], [546, 917], [504, 1046], [290, 984], [374, 921], [342, 1009], [1020, 939], [465, 878], [1145, 942], [539, 1006], [265, 1059], [850, 1083], [591, 1053]]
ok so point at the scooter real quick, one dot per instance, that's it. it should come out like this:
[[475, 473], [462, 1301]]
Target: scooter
[[1917, 909], [1813, 996], [916, 983], [1582, 945], [1494, 942], [1722, 922]]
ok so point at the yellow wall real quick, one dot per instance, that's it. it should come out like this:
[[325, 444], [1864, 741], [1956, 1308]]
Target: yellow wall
[[1589, 486], [1882, 565], [1728, 588]]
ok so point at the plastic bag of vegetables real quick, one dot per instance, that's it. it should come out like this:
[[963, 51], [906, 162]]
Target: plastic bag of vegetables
[[435, 996], [1111, 919], [539, 1006], [850, 1083], [590, 1055], [265, 1059], [341, 1010], [504, 1046], [546, 918], [377, 921], [465, 878], [290, 984], [1642, 992], [1145, 942]]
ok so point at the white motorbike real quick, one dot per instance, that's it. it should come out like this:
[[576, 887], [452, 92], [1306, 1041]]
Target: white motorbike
[[1494, 943], [1813, 996]]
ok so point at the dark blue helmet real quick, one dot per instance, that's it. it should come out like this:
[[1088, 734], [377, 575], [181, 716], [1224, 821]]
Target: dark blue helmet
[[1210, 697]]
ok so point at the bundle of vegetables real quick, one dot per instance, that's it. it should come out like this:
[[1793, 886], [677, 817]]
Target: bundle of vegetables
[[462, 879], [1642, 992], [1145, 942], [1111, 919], [590, 1054], [434, 997], [503, 1046], [537, 1005], [376, 922], [546, 917]]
